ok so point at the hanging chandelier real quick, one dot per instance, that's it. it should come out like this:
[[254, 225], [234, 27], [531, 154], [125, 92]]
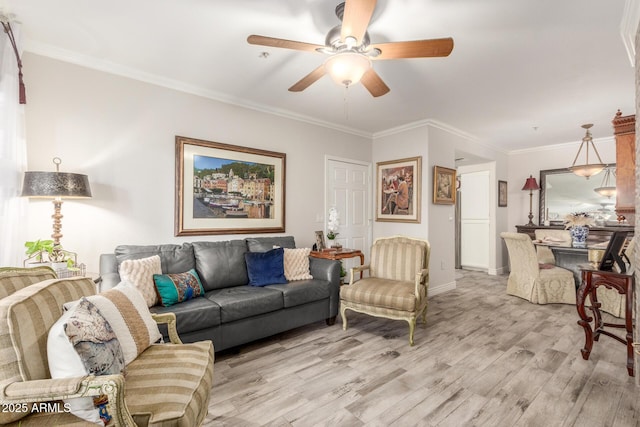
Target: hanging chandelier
[[606, 188], [587, 169]]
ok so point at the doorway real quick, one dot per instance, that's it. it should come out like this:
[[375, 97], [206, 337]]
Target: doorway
[[348, 189]]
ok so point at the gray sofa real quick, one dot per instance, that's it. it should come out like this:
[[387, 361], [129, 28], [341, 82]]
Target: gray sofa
[[231, 312]]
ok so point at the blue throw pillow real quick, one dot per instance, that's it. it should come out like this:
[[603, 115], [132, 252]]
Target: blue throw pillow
[[175, 288], [265, 268]]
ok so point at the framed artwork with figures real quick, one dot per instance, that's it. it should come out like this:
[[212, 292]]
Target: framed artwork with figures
[[444, 186], [398, 190]]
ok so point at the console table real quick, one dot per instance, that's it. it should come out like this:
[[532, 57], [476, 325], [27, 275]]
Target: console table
[[596, 234], [624, 284]]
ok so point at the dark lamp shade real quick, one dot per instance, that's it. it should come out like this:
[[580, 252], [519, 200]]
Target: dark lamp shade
[[531, 184], [56, 184]]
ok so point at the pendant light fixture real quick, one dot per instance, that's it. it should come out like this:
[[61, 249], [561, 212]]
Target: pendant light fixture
[[606, 188], [587, 169]]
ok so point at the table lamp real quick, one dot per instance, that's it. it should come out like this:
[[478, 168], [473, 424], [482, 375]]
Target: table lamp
[[56, 185], [531, 185]]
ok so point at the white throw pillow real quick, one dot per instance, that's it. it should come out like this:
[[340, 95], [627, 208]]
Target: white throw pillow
[[140, 273], [82, 342], [296, 264]]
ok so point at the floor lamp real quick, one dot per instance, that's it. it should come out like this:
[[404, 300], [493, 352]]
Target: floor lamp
[[56, 185], [531, 185]]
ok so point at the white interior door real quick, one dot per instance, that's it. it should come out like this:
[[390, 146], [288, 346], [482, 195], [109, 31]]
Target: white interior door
[[475, 219], [348, 189]]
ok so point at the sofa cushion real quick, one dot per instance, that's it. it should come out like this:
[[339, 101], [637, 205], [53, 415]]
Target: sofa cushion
[[174, 258], [265, 268], [192, 315], [221, 264], [303, 291], [245, 301], [264, 244], [168, 384], [175, 288], [139, 272]]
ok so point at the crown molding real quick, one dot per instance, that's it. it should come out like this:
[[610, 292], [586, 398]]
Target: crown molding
[[629, 27], [602, 140], [135, 74]]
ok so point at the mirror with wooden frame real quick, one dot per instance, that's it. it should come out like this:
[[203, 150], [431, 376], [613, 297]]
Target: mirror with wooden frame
[[562, 192]]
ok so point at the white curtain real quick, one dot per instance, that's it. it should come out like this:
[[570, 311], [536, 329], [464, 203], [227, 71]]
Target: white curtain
[[13, 156]]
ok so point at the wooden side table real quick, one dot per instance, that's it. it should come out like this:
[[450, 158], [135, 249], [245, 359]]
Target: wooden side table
[[625, 285], [337, 255]]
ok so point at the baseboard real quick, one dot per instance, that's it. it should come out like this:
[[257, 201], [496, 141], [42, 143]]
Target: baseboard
[[497, 271], [435, 290]]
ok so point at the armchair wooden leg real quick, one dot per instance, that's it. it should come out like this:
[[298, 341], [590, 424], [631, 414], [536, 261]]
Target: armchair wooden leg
[[423, 315], [343, 310], [412, 328]]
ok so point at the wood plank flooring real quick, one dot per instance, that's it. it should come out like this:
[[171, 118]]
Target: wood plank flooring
[[484, 359]]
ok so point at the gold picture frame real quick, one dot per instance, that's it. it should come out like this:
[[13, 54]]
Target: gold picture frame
[[398, 190], [228, 189], [444, 186]]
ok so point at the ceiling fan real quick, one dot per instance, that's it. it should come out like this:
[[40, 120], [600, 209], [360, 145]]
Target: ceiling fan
[[350, 51]]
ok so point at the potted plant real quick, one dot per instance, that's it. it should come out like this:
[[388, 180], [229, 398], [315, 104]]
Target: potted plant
[[38, 251], [45, 251], [332, 227]]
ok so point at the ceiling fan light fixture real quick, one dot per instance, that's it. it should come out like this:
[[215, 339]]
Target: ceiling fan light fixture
[[347, 68]]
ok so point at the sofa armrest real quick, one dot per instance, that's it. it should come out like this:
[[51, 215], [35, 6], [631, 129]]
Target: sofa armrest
[[109, 276], [329, 270], [69, 388], [170, 320]]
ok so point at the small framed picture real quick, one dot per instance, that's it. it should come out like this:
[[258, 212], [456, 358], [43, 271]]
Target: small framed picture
[[444, 186], [502, 194], [320, 246]]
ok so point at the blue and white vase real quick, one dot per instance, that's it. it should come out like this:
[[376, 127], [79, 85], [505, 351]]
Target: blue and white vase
[[579, 235]]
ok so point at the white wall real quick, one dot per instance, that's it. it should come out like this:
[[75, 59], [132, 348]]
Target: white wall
[[121, 133], [523, 163]]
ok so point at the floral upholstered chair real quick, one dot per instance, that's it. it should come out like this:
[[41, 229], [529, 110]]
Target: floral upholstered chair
[[528, 280], [397, 284], [553, 237]]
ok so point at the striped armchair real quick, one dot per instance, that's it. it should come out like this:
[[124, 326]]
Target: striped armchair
[[396, 287], [167, 384]]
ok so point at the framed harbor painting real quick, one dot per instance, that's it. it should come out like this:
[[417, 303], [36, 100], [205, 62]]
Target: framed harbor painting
[[228, 189], [398, 190]]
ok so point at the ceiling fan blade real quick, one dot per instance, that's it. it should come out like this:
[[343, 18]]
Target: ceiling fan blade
[[282, 43], [414, 49], [357, 14], [308, 80], [374, 84]]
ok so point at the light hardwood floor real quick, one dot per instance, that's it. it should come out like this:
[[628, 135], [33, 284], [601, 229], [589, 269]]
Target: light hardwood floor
[[484, 359]]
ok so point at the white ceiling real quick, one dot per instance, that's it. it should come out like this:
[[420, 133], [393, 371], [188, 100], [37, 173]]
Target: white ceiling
[[522, 73]]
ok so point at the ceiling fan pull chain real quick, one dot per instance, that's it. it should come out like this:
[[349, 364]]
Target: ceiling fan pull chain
[[346, 102]]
